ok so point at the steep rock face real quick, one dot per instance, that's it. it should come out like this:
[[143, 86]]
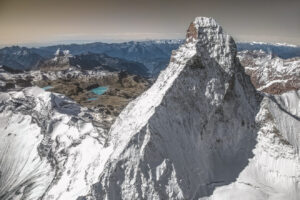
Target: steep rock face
[[269, 73], [200, 132], [49, 149]]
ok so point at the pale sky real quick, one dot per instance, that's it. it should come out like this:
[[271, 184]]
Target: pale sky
[[51, 21]]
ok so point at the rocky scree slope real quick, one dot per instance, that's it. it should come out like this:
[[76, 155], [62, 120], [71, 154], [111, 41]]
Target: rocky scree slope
[[203, 132]]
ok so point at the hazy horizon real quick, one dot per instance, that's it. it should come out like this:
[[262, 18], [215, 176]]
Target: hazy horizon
[[39, 23], [79, 42]]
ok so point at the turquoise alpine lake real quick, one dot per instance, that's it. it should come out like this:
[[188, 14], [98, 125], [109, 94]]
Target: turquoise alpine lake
[[92, 99], [99, 90], [47, 87]]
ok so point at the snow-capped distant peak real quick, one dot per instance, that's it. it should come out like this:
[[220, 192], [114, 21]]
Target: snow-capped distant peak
[[172, 41], [65, 53], [275, 44], [286, 44], [59, 54]]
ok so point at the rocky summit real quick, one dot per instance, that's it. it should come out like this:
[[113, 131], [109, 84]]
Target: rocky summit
[[201, 131]]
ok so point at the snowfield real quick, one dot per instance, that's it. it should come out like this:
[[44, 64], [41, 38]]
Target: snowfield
[[47, 148]]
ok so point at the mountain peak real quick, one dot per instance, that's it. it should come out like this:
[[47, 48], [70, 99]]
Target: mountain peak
[[199, 23], [181, 123], [212, 42], [59, 52]]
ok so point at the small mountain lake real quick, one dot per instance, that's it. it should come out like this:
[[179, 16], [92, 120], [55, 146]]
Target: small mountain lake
[[47, 87], [99, 90], [92, 99]]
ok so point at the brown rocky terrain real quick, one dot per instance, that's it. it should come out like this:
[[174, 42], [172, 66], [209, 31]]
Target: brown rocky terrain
[[122, 88]]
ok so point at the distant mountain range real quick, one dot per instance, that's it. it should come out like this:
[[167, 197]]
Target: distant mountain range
[[21, 58], [154, 54], [92, 60], [284, 51], [89, 61]]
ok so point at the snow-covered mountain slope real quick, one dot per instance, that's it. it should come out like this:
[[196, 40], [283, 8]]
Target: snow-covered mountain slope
[[202, 132], [271, 74], [285, 109], [49, 147]]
